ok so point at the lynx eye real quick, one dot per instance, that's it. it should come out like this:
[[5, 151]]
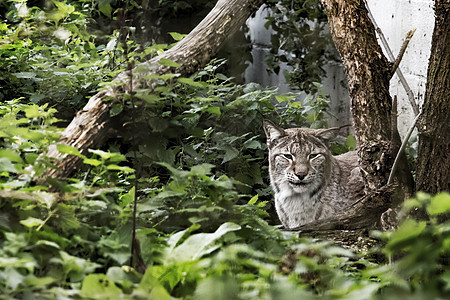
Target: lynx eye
[[288, 156], [313, 155]]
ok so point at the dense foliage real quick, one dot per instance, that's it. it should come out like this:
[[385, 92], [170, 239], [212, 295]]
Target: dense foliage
[[193, 157], [301, 40]]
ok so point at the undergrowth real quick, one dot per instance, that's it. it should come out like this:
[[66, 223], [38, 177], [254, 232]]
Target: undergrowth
[[193, 155]]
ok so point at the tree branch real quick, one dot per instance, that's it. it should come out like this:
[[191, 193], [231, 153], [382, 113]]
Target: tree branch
[[402, 51], [402, 78], [402, 148]]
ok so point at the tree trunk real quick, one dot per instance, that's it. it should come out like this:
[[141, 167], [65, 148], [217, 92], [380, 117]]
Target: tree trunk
[[433, 161], [368, 75], [91, 126]]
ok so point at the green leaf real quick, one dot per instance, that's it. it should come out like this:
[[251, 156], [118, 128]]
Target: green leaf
[[38, 282], [350, 142], [203, 169], [253, 200], [7, 165], [282, 99], [149, 98], [67, 149], [127, 198], [13, 278], [296, 104], [112, 156], [439, 204], [214, 110], [27, 75], [11, 155], [31, 222], [116, 109], [262, 204], [105, 8], [230, 153], [168, 63], [405, 234], [99, 286], [199, 244], [124, 169], [253, 143], [177, 36], [32, 111], [92, 162], [191, 82], [152, 288], [67, 219]]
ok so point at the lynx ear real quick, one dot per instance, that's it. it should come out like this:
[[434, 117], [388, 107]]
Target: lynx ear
[[327, 134], [272, 131]]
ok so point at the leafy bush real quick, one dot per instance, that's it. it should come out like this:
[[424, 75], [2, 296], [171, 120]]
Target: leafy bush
[[195, 162]]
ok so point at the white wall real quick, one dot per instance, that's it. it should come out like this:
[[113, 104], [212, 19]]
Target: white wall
[[395, 18]]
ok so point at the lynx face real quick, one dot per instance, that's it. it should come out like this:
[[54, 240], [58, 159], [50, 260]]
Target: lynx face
[[299, 166], [298, 160]]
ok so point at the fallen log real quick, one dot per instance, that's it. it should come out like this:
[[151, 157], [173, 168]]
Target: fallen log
[[92, 126]]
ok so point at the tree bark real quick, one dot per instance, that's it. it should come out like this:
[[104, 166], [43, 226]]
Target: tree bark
[[363, 214], [91, 126], [368, 74], [433, 161]]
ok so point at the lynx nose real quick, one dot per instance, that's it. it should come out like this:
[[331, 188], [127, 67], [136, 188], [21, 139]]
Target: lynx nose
[[301, 173]]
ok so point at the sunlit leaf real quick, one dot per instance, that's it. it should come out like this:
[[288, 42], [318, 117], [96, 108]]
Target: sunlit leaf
[[124, 169], [253, 200], [168, 63], [99, 286], [214, 110], [38, 282], [7, 165], [203, 169], [31, 222], [199, 244], [408, 230], [193, 83], [177, 36], [13, 278], [439, 204], [25, 75], [92, 162], [67, 149], [281, 98], [152, 288]]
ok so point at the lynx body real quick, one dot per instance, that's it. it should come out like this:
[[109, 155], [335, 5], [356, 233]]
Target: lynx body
[[308, 181]]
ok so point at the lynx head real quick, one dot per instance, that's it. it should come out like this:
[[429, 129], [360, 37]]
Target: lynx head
[[299, 160]]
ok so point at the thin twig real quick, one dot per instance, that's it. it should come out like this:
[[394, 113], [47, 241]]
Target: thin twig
[[395, 141], [402, 148], [403, 81], [402, 51]]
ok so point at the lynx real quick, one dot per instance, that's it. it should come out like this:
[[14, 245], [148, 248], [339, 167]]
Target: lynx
[[308, 181]]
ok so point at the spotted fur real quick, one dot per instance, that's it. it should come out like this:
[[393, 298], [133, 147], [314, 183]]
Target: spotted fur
[[308, 181]]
